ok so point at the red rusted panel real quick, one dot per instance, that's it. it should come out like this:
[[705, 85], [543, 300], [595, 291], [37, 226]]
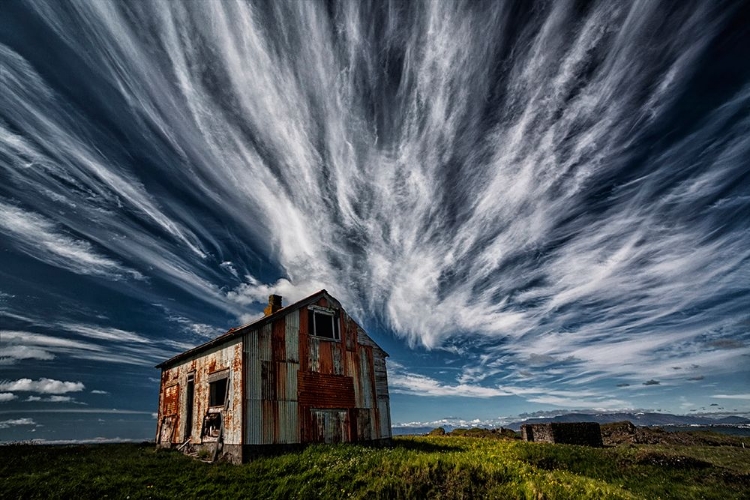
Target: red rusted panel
[[350, 334], [268, 381], [278, 341], [270, 420], [325, 391], [303, 340], [280, 381], [325, 357], [171, 400]]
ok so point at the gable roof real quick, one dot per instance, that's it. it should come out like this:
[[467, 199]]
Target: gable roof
[[240, 330]]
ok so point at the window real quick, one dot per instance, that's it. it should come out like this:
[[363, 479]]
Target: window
[[324, 324], [217, 392]]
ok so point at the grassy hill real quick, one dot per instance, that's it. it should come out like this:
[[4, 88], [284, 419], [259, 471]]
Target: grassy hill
[[415, 467]]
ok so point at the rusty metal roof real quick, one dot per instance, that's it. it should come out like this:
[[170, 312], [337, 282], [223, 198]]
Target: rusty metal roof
[[237, 331]]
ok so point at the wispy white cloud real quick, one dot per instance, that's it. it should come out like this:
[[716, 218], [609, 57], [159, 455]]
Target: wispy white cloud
[[52, 399], [43, 240], [7, 396], [402, 381], [731, 396]]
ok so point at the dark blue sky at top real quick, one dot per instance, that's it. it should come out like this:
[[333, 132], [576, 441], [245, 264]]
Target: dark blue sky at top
[[532, 206]]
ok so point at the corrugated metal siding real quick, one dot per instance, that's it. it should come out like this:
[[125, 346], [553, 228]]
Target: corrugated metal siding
[[384, 408], [313, 354], [365, 379], [381, 375], [292, 336], [303, 388], [330, 426], [265, 353], [270, 421], [288, 424], [278, 340], [318, 390], [254, 418]]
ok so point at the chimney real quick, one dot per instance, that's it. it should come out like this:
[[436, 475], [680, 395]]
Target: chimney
[[274, 304]]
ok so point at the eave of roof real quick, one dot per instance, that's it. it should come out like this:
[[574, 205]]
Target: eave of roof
[[236, 332]]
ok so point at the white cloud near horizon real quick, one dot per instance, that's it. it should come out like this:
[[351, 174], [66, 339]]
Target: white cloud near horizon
[[42, 386], [5, 424]]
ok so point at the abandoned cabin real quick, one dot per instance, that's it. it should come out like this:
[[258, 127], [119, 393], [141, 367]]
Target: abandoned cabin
[[304, 373]]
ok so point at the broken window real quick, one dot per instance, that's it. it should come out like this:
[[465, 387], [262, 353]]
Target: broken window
[[324, 324], [217, 392], [212, 424]]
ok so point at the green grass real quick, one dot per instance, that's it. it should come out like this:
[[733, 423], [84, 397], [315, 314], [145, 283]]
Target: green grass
[[415, 467]]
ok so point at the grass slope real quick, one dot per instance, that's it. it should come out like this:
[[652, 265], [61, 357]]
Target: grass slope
[[416, 467]]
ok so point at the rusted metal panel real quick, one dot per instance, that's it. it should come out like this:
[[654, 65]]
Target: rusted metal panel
[[278, 339], [350, 333], [288, 423], [171, 400], [364, 425], [291, 338], [330, 426], [365, 380], [269, 422], [384, 409], [254, 419], [325, 357], [326, 391], [253, 366], [352, 370], [381, 375], [268, 380], [337, 361], [265, 352], [223, 360], [290, 381], [304, 345], [313, 354]]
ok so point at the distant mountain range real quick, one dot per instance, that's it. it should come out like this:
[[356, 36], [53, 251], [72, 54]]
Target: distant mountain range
[[637, 418], [640, 419]]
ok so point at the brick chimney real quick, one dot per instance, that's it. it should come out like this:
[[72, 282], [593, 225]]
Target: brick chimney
[[274, 304]]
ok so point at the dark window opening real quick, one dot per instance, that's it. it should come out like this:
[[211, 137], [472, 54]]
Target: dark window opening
[[212, 425], [189, 402], [217, 392], [323, 325]]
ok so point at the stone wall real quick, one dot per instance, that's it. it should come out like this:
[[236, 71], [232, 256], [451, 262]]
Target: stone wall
[[581, 433]]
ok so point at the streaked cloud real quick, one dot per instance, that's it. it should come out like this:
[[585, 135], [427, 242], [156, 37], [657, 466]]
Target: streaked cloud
[[731, 396], [43, 240]]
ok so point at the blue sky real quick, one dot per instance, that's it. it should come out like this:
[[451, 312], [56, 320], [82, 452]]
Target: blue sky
[[532, 208]]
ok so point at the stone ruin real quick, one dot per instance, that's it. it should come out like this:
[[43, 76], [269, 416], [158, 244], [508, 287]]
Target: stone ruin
[[580, 433]]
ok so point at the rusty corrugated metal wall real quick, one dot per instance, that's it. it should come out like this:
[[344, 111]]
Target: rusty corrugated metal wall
[[302, 388], [174, 398]]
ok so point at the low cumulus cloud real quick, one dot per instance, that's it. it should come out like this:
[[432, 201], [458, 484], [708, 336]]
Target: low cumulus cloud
[[7, 396], [42, 386], [5, 424]]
